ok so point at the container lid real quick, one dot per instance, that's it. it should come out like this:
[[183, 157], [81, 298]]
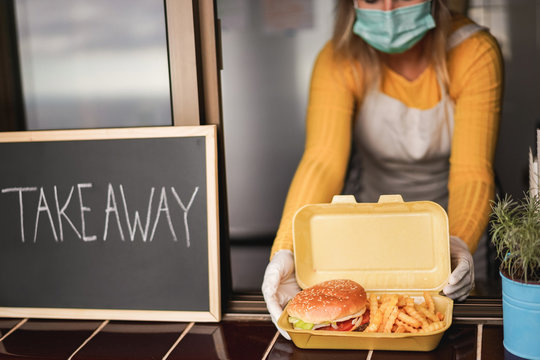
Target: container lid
[[389, 245]]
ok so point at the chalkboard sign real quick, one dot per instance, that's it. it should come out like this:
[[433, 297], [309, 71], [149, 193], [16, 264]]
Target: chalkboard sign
[[114, 224]]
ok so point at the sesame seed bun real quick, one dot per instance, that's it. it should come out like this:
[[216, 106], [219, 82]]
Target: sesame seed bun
[[328, 301]]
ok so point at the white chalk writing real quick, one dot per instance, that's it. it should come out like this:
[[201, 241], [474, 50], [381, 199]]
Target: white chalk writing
[[163, 206], [20, 190], [119, 216], [43, 206], [186, 210], [111, 207], [83, 210], [137, 220], [61, 212]]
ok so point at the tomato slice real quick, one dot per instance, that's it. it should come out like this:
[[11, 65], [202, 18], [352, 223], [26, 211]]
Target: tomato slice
[[341, 326], [347, 325]]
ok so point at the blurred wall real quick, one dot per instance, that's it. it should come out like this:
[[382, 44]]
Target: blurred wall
[[516, 25]]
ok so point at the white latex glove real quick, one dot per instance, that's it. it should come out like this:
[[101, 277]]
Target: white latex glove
[[461, 280], [279, 285]]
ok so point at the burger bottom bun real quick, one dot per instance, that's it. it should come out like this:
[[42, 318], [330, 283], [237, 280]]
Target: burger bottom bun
[[328, 301]]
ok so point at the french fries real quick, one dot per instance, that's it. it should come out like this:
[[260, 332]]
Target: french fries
[[400, 314]]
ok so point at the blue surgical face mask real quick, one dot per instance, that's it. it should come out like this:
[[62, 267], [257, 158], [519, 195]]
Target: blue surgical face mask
[[394, 31]]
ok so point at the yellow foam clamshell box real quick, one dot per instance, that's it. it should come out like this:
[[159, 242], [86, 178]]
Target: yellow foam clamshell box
[[388, 247]]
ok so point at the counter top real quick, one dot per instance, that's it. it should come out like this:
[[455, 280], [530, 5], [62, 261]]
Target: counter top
[[228, 339]]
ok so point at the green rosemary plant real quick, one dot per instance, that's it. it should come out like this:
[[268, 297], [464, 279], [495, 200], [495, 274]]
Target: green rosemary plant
[[515, 233]]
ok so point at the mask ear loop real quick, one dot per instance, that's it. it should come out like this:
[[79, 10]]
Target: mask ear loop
[[355, 4]]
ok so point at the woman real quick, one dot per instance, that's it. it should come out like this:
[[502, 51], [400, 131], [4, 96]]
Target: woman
[[413, 92]]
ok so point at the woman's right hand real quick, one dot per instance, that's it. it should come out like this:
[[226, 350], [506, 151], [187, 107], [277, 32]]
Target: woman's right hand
[[279, 285]]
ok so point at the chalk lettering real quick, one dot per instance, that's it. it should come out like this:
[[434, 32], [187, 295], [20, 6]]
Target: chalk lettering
[[111, 207], [186, 210], [44, 207], [163, 206], [20, 190], [83, 210], [61, 212], [137, 220]]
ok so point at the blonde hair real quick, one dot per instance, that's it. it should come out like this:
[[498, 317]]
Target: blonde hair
[[352, 48]]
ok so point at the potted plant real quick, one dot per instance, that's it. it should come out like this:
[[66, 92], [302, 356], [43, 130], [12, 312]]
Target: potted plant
[[515, 234]]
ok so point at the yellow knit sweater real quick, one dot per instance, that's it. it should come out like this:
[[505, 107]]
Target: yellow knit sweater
[[475, 75]]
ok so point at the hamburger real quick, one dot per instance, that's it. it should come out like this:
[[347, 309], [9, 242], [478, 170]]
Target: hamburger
[[335, 305]]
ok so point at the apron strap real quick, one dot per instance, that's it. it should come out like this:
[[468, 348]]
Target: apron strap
[[462, 34]]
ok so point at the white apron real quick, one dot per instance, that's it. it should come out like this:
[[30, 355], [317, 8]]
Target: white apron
[[402, 150]]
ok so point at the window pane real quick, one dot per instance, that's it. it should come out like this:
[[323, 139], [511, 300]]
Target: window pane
[[93, 63], [269, 47]]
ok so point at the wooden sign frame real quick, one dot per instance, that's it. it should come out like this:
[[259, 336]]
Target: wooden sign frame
[[206, 131]]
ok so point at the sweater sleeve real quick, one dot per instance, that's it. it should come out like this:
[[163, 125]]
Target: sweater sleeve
[[322, 168], [475, 69]]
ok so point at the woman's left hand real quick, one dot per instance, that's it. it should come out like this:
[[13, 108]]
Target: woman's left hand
[[461, 281]]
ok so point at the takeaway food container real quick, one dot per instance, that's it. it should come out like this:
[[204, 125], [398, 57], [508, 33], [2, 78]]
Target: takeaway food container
[[388, 247]]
